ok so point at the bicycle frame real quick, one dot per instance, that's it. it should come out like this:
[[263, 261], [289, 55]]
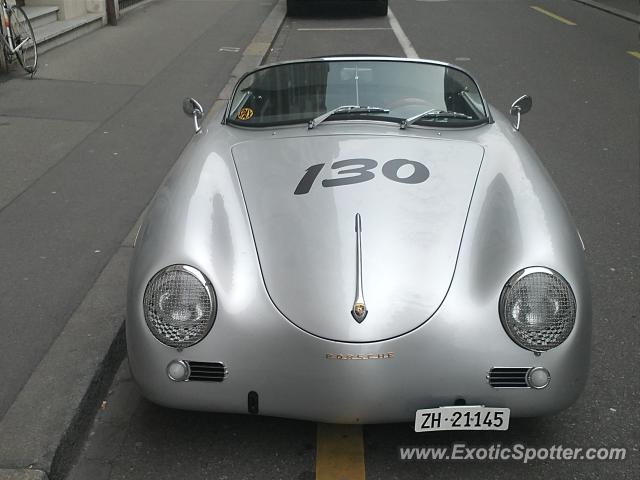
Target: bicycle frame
[[5, 23]]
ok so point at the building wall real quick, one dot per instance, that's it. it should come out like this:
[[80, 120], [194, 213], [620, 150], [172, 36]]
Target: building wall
[[71, 8]]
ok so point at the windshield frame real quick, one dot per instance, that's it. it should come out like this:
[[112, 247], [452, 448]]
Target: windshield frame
[[227, 120]]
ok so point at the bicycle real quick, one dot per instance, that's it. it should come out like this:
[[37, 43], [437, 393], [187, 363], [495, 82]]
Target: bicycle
[[17, 37]]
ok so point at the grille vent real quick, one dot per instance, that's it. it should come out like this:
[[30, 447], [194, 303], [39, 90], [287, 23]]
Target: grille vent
[[207, 371], [508, 377]]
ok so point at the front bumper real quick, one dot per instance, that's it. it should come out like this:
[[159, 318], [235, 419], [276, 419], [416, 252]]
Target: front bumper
[[444, 361]]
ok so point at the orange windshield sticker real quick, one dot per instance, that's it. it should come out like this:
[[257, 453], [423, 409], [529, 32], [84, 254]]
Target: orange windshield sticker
[[245, 114]]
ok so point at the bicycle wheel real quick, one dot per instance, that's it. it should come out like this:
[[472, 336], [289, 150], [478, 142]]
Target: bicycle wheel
[[23, 35]]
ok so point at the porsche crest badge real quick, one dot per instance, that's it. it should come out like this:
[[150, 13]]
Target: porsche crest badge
[[359, 310]]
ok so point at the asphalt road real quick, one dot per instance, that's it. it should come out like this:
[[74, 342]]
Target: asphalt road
[[584, 125]]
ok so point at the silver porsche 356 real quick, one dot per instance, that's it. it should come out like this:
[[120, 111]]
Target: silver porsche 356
[[360, 240]]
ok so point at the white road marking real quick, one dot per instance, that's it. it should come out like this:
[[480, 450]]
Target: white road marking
[[342, 29], [404, 41], [229, 49]]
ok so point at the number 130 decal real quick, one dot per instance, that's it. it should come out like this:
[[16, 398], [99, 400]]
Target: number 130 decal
[[361, 171]]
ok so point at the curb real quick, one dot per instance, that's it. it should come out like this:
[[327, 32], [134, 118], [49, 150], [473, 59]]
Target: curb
[[42, 432], [41, 428], [612, 10]]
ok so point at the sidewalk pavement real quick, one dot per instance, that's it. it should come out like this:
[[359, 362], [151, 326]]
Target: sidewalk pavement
[[84, 147]]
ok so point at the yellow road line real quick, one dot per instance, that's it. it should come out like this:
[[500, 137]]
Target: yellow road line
[[553, 15], [634, 53], [339, 452]]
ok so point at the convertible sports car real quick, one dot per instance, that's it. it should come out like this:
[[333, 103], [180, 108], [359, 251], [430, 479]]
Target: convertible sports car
[[360, 240]]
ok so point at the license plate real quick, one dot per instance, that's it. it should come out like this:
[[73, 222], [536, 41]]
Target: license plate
[[469, 417]]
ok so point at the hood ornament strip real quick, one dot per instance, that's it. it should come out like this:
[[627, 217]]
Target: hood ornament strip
[[359, 310]]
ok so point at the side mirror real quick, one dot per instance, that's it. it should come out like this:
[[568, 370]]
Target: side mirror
[[193, 109], [521, 106]]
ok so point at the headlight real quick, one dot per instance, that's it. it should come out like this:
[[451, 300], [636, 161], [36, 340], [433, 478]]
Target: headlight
[[179, 306], [537, 308]]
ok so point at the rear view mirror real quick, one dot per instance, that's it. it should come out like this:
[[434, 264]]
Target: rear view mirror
[[193, 109], [521, 106]]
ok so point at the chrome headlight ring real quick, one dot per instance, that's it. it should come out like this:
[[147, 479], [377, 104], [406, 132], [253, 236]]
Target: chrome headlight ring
[[179, 306], [537, 308]]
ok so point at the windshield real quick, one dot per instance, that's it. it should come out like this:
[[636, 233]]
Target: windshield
[[393, 90]]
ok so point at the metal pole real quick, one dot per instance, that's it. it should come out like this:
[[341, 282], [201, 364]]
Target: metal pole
[[4, 67], [112, 15]]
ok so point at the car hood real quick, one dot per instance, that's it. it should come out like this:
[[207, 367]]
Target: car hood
[[306, 241]]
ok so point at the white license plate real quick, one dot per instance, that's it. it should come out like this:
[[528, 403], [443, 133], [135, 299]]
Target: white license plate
[[469, 417]]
